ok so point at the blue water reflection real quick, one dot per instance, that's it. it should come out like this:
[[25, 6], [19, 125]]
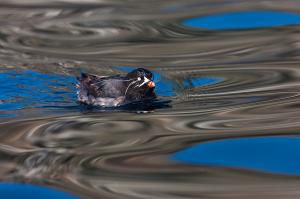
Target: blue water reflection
[[29, 89], [268, 154], [202, 81], [27, 191], [244, 20]]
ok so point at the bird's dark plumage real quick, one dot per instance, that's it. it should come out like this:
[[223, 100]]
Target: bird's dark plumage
[[112, 91]]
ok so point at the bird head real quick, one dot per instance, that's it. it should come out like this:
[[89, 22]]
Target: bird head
[[143, 77], [142, 84]]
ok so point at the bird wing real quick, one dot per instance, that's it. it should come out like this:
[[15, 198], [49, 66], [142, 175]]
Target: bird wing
[[103, 86]]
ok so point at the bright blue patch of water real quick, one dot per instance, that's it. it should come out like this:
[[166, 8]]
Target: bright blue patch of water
[[27, 191], [202, 81], [268, 154], [29, 89], [244, 20]]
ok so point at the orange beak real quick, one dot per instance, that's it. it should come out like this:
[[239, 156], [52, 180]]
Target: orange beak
[[151, 84]]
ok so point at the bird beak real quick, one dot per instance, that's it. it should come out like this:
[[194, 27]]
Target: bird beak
[[151, 84]]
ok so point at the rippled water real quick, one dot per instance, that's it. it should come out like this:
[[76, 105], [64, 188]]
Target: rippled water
[[226, 123]]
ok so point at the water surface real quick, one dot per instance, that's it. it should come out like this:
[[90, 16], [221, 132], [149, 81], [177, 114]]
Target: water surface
[[226, 124]]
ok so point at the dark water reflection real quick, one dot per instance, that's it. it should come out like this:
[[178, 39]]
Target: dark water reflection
[[225, 90]]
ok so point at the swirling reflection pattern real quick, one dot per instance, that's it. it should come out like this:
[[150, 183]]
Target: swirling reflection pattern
[[135, 33], [128, 159], [217, 84]]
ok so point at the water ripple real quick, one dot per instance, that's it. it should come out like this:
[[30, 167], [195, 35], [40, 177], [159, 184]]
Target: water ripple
[[212, 85], [116, 35]]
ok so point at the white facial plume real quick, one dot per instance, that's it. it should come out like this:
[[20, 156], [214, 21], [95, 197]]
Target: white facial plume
[[146, 80]]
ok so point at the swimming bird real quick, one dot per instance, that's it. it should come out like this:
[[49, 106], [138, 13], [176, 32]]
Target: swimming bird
[[112, 91]]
